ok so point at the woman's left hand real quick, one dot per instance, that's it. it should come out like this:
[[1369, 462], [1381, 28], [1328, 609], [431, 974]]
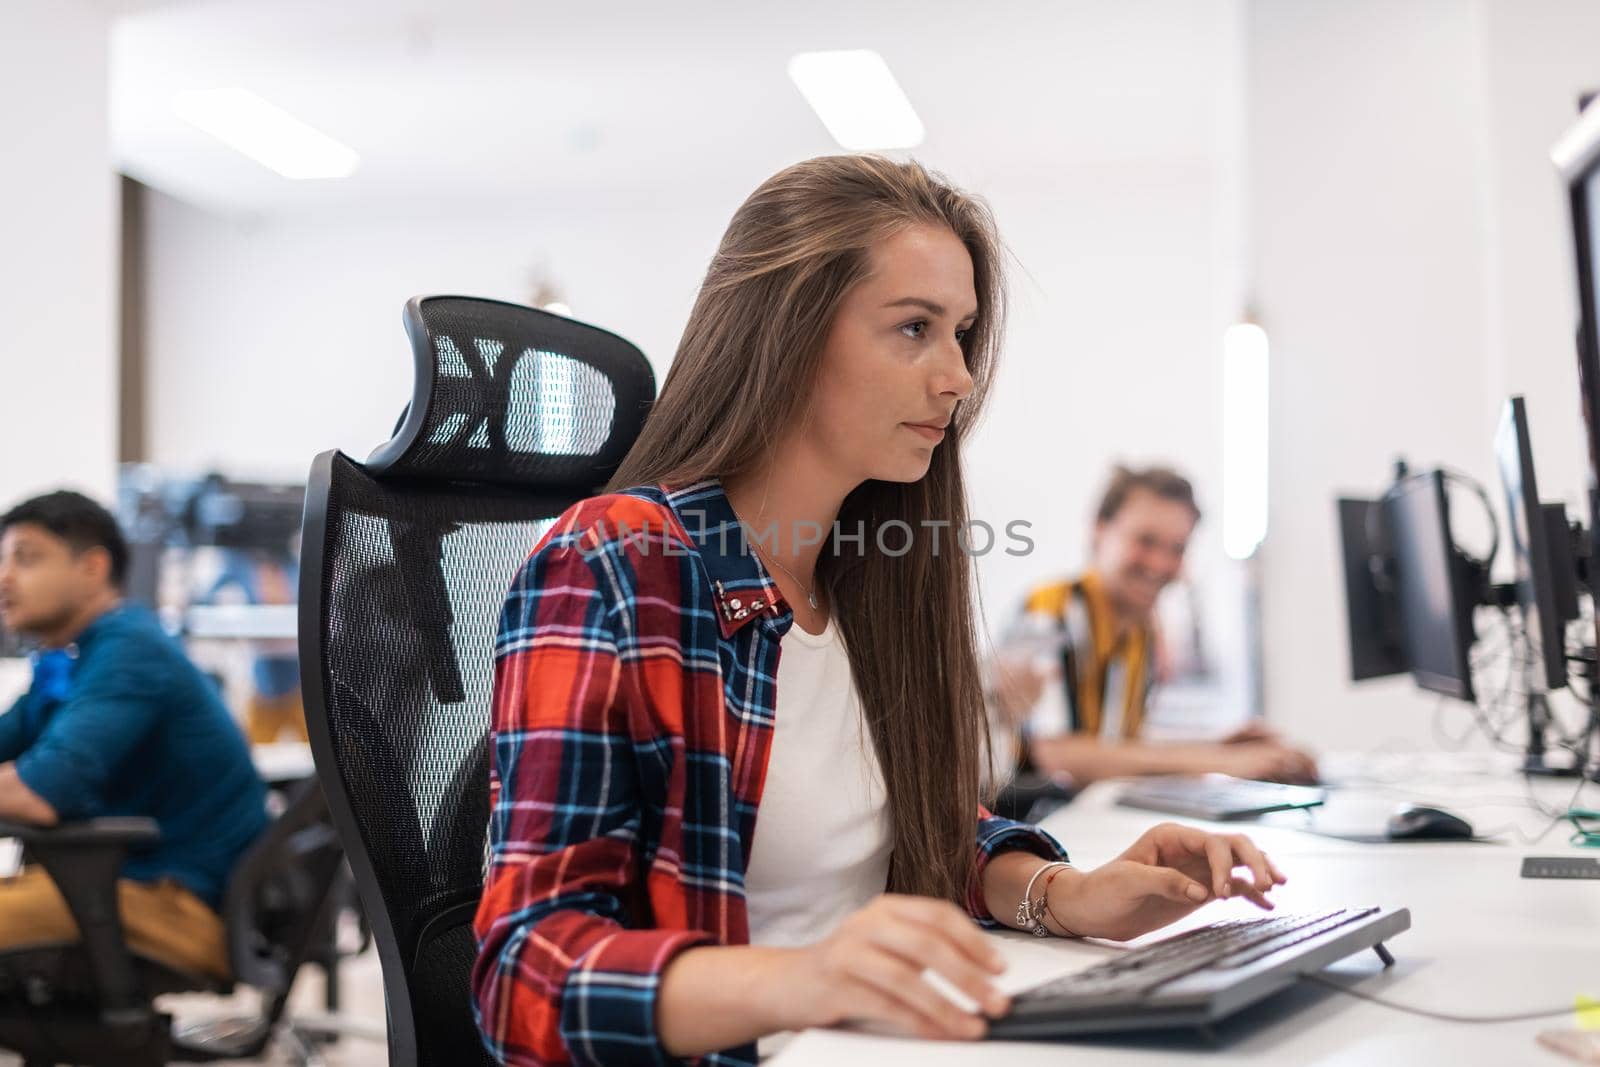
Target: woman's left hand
[[1168, 873]]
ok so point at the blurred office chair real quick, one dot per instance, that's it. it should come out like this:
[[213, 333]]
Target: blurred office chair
[[90, 1002], [405, 563], [1030, 797]]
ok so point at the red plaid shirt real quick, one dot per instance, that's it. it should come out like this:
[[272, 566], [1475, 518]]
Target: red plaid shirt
[[634, 694]]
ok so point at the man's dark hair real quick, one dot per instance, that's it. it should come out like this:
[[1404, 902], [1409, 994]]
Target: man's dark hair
[[78, 521], [1164, 482]]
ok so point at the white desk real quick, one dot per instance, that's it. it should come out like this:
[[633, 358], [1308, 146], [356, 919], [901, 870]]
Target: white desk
[[1483, 940], [282, 761], [249, 622], [15, 676]]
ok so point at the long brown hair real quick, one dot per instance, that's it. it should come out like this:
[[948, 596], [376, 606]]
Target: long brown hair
[[747, 363]]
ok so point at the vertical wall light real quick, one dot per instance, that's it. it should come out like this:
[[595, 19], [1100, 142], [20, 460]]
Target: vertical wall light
[[1244, 439]]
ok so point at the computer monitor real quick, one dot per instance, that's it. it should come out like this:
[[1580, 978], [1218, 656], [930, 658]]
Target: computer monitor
[[1372, 612], [1542, 549], [1433, 585], [161, 510], [248, 515], [1577, 156]]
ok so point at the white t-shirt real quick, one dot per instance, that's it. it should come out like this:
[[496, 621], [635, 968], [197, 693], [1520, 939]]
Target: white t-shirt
[[823, 837], [822, 842]]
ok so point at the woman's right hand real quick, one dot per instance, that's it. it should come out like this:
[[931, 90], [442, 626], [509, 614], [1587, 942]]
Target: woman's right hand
[[870, 970]]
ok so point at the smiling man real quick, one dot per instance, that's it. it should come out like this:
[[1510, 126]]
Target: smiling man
[[1082, 717], [116, 722]]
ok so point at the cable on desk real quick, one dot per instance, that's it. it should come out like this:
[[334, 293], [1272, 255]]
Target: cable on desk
[[1555, 815], [1522, 835], [1445, 1016], [1441, 736], [1494, 713]]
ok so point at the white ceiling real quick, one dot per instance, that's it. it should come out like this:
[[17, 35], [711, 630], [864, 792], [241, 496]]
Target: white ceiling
[[495, 99]]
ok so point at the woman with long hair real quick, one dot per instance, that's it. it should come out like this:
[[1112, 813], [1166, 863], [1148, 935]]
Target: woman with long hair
[[739, 730]]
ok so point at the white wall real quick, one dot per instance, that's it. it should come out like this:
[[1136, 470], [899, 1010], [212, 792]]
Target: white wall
[[271, 338], [1112, 356], [58, 382], [274, 338], [1370, 277], [1408, 262], [1538, 57], [1411, 270], [1410, 266]]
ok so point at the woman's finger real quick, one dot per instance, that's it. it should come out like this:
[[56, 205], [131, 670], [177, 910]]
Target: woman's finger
[[1241, 887], [1175, 885], [1219, 857], [868, 1004], [1251, 856], [923, 946], [953, 924], [902, 981]]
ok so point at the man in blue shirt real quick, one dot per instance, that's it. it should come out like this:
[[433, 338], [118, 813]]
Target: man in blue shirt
[[116, 722]]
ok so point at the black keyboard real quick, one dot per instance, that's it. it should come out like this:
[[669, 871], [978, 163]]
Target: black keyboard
[[1216, 796], [1199, 976]]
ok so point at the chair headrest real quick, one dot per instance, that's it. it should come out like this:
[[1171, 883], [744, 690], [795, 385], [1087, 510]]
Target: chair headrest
[[513, 395]]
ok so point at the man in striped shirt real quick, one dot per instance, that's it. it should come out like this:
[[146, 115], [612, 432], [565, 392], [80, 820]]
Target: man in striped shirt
[[1081, 717]]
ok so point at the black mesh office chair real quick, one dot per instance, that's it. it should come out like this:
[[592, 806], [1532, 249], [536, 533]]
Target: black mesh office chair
[[405, 563], [91, 1002]]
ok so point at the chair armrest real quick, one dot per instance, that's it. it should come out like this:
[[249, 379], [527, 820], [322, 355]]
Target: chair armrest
[[87, 833], [84, 860]]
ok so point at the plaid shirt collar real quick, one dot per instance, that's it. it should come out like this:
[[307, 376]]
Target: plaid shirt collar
[[743, 587]]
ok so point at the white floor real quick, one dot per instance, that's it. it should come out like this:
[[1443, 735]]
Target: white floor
[[361, 990]]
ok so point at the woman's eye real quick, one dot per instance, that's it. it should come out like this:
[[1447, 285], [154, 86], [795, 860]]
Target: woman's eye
[[914, 329], [961, 335]]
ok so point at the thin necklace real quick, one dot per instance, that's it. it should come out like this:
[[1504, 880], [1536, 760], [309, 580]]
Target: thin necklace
[[811, 598]]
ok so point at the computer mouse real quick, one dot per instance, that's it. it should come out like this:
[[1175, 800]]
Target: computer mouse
[[1414, 822]]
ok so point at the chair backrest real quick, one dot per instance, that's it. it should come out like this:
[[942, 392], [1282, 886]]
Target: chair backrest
[[406, 560]]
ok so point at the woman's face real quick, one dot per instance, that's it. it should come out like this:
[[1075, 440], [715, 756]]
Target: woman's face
[[893, 367]]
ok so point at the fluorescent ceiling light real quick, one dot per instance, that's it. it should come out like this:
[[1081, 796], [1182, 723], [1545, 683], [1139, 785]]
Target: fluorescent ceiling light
[[266, 133], [856, 97], [1244, 439]]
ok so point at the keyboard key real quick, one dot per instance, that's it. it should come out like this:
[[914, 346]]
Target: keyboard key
[[1228, 944]]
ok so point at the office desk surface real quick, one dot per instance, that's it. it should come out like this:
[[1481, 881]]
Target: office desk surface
[[283, 761], [1483, 940], [15, 674]]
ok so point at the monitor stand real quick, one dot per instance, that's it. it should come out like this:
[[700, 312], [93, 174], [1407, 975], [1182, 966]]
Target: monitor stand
[[1586, 754], [1533, 762]]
